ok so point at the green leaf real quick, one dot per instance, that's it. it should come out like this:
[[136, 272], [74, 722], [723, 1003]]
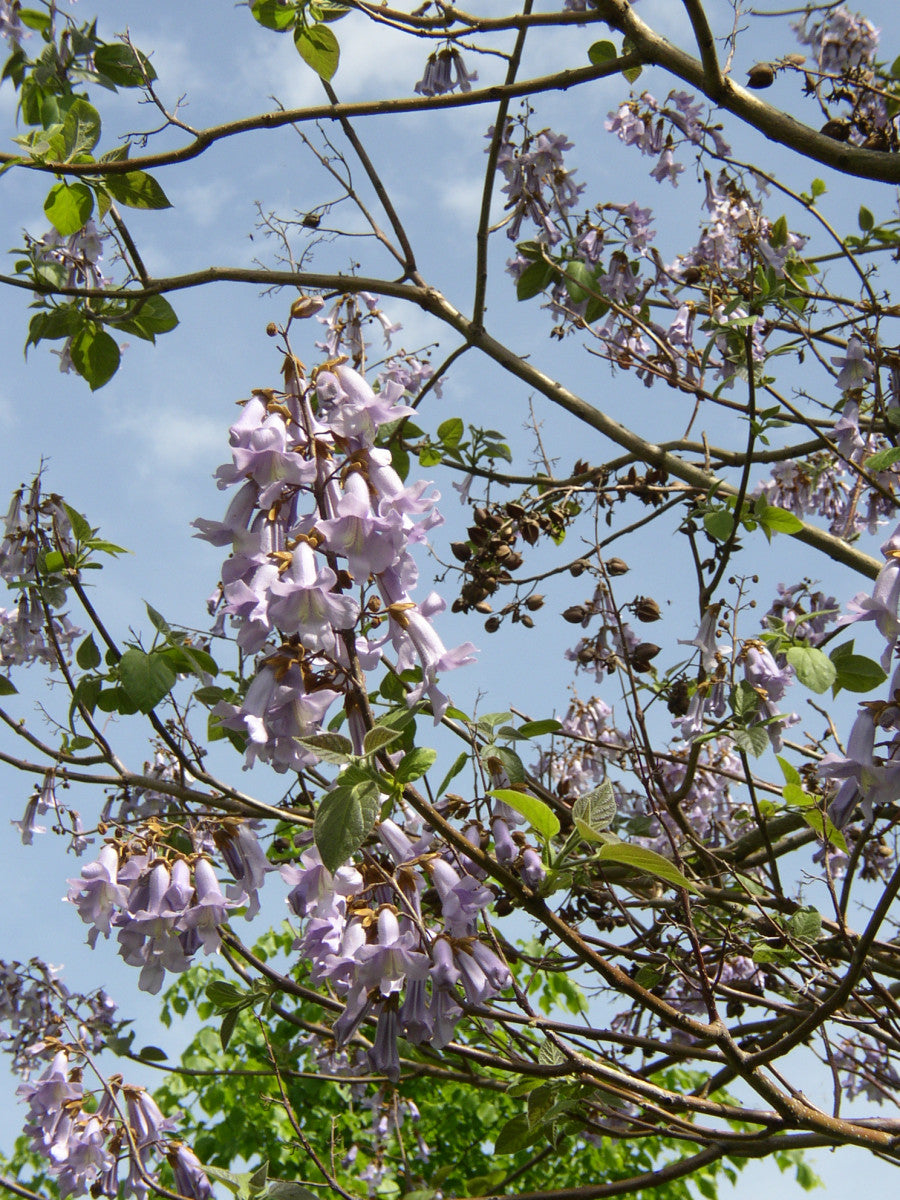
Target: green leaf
[[508, 760], [68, 206], [814, 668], [789, 771], [123, 65], [515, 1135], [883, 459], [81, 129], [95, 355], [429, 456], [778, 519], [825, 828], [152, 1054], [146, 678], [744, 699], [150, 317], [344, 819], [87, 655], [648, 862], [450, 431], [538, 814], [415, 764], [157, 620], [229, 1021], [595, 811], [7, 687], [533, 729], [865, 219], [719, 524], [580, 281], [753, 740], [459, 763], [379, 737], [81, 526], [805, 924], [137, 189], [274, 14], [38, 21], [855, 672], [330, 747], [534, 279], [602, 52], [224, 994], [318, 47]]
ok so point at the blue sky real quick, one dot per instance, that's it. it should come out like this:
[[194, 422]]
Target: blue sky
[[137, 457]]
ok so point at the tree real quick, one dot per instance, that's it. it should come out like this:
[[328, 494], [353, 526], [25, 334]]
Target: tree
[[611, 961]]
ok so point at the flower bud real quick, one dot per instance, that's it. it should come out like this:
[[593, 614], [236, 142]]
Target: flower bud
[[574, 615], [271, 329], [616, 566]]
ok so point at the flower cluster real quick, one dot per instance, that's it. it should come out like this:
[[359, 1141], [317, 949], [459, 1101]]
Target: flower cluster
[[841, 41], [165, 909], [32, 999], [444, 72], [29, 631], [86, 1143], [645, 123], [538, 185], [368, 933], [319, 509]]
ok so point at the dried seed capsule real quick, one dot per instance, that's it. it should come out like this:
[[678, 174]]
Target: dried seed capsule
[[761, 76], [461, 551], [646, 609], [533, 603], [616, 566], [492, 624], [574, 615]]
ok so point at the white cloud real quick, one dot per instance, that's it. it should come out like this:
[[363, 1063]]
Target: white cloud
[[172, 442]]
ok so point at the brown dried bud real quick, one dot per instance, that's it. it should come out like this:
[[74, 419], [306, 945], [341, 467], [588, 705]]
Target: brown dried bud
[[839, 130], [578, 568], [502, 552], [616, 566], [531, 531], [479, 536], [461, 551], [515, 509], [646, 609], [480, 516], [574, 615], [641, 656], [761, 76], [527, 621], [492, 624], [306, 306], [272, 329], [513, 560], [533, 603], [483, 607]]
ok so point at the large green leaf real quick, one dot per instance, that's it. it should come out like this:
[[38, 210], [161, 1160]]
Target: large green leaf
[[81, 128], [594, 812], [813, 667], [95, 355], [146, 678], [319, 49], [648, 862], [137, 189], [123, 65], [344, 820], [68, 206], [538, 814]]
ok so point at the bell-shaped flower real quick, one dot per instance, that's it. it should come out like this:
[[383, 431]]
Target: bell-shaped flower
[[394, 957], [98, 894]]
